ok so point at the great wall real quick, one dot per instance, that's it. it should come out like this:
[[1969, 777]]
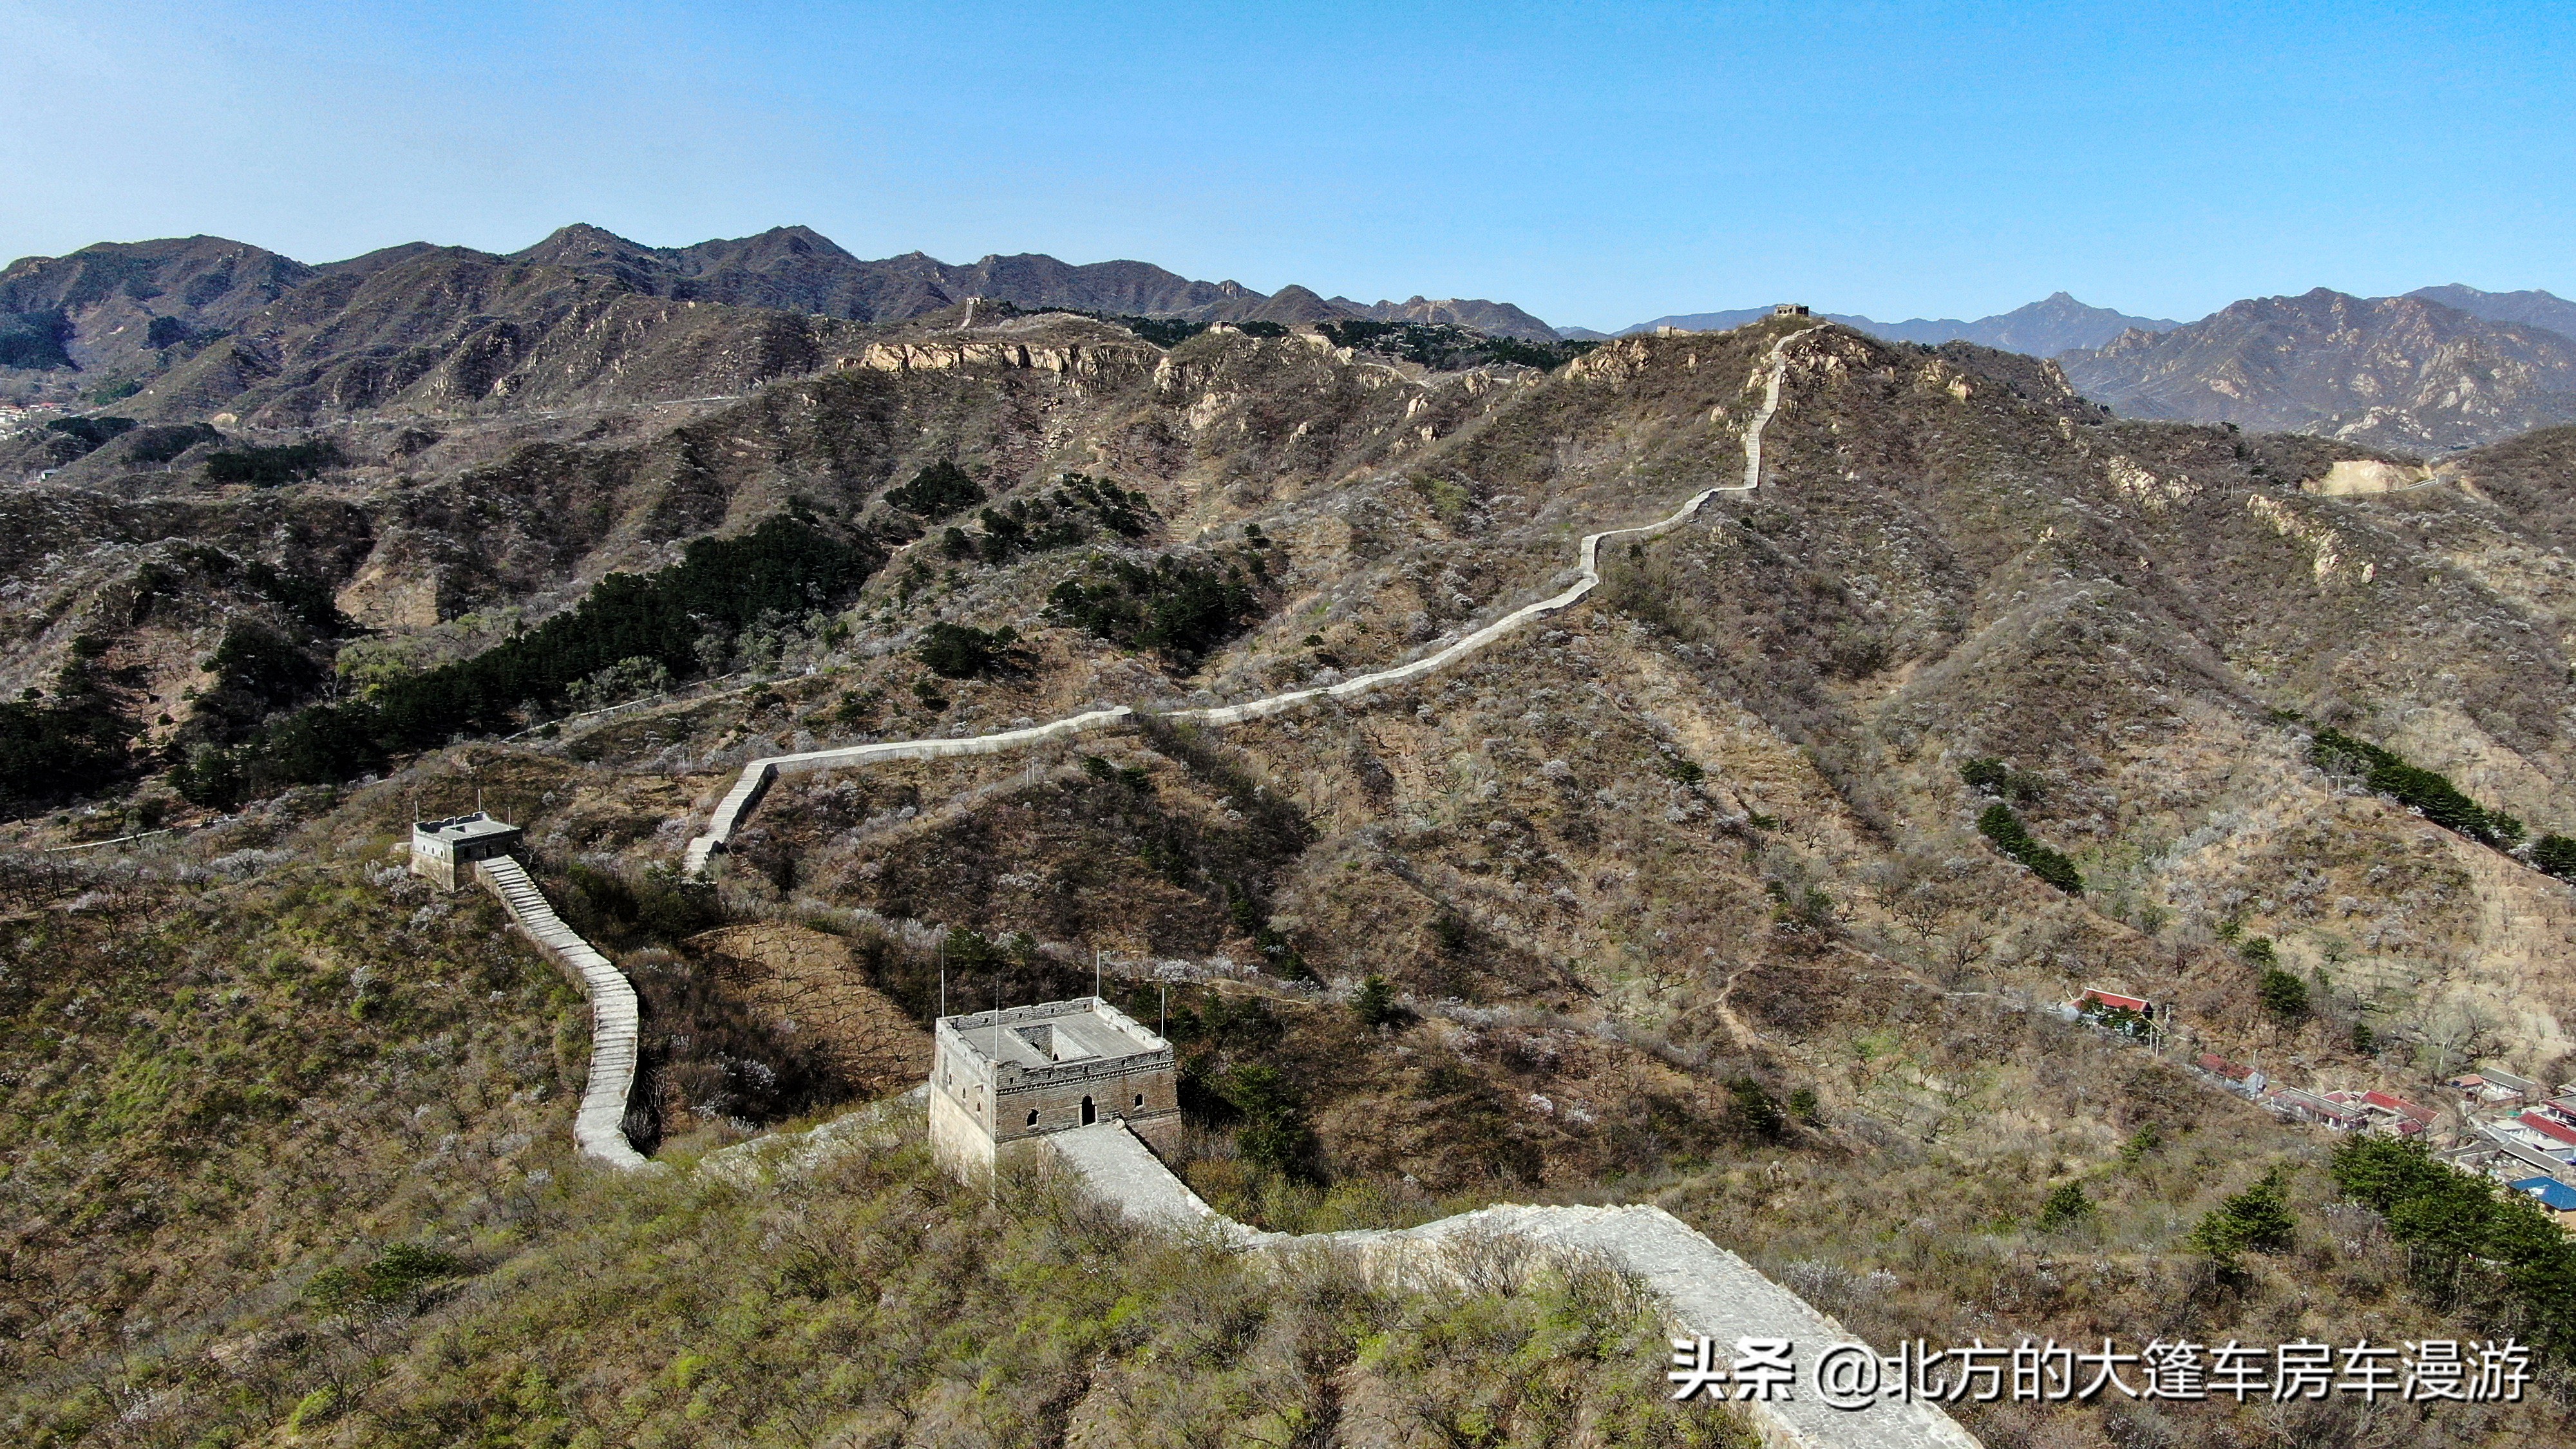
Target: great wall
[[758, 775], [1711, 1292]]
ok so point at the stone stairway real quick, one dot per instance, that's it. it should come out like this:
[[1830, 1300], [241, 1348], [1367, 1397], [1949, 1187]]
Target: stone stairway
[[598, 1128]]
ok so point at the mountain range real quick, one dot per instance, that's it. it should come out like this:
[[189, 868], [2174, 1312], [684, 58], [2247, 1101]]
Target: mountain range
[[2056, 323], [1717, 887], [117, 310], [2439, 368], [180, 329], [1755, 882], [2395, 372]]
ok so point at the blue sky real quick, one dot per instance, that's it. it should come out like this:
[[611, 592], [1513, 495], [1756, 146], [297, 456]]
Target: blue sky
[[1596, 164]]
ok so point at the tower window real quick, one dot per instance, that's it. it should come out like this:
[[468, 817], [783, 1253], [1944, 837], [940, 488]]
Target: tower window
[[1033, 1116]]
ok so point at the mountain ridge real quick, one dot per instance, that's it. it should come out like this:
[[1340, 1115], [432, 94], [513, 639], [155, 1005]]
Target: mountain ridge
[[2056, 323], [2402, 372], [107, 317]]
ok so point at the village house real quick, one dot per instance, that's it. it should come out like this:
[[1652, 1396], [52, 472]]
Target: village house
[[2244, 1081], [2490, 1085], [2502, 1158], [2095, 995], [2310, 1107], [2547, 1132], [2556, 1197], [2387, 1115]]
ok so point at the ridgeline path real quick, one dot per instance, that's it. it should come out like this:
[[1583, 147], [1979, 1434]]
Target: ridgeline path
[[757, 776]]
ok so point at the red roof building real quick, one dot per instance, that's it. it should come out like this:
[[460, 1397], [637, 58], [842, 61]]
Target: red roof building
[[2549, 1127], [2424, 1116], [2111, 998]]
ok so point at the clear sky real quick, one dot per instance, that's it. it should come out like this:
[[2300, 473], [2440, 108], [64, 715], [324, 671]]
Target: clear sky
[[1597, 164]]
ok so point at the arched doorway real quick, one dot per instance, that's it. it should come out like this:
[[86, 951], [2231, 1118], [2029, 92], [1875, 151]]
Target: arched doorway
[[1089, 1116]]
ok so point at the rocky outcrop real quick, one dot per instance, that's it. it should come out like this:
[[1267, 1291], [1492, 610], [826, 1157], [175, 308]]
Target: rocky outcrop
[[1088, 361]]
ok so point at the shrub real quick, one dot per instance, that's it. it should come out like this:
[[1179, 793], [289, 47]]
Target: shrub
[[1445, 346], [1179, 608], [51, 752], [309, 599], [1753, 1113], [2000, 780], [1162, 331], [35, 340], [2004, 828], [160, 445], [2258, 951], [1807, 1107], [959, 651], [2282, 994], [784, 565], [2067, 1207], [1274, 1135], [314, 1408], [2555, 854], [2457, 1229], [270, 467], [2425, 791], [91, 433], [634, 677], [396, 1278], [1276, 950], [937, 491], [2255, 1220], [1375, 1002]]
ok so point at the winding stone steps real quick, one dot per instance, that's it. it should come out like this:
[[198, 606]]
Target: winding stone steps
[[598, 1128], [758, 775]]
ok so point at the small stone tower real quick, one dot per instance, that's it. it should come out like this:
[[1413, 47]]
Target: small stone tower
[[1001, 1082], [1791, 309], [445, 850]]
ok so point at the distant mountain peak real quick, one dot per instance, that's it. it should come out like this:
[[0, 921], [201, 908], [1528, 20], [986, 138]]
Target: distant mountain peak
[[2406, 372], [2529, 308], [2054, 324]]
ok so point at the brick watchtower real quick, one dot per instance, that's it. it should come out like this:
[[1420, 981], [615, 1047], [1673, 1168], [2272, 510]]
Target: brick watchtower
[[1002, 1081]]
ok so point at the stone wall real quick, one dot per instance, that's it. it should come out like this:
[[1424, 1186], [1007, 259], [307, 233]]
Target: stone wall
[[599, 1125], [737, 804], [1709, 1290]]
